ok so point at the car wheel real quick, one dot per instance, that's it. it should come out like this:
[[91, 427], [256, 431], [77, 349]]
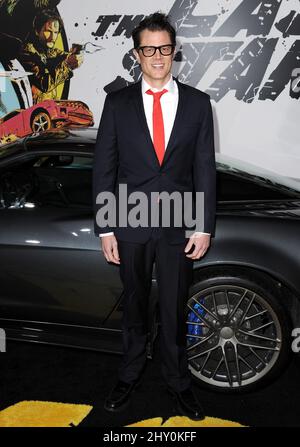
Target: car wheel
[[41, 122], [238, 334]]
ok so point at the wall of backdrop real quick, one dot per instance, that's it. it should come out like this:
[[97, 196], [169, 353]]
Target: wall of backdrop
[[244, 54]]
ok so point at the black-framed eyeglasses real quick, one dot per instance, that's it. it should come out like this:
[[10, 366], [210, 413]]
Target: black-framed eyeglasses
[[165, 50]]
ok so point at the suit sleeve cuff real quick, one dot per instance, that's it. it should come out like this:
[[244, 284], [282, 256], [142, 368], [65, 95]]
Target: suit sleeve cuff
[[199, 233]]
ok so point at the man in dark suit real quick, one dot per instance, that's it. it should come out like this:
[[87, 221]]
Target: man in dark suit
[[155, 136]]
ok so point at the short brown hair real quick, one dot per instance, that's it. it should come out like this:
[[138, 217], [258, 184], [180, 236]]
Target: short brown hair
[[154, 22]]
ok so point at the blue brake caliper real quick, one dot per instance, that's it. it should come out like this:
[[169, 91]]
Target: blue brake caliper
[[195, 329]]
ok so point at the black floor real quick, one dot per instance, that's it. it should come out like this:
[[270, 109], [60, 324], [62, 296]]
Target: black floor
[[45, 373]]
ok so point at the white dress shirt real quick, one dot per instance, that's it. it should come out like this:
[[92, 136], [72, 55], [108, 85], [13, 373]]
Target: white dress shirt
[[169, 103]]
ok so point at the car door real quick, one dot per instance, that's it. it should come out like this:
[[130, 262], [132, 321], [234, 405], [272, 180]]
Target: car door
[[13, 124], [52, 267]]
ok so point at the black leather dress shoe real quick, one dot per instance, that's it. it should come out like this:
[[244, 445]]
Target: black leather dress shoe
[[119, 396], [188, 404]]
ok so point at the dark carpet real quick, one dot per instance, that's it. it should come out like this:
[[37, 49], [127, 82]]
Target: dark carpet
[[47, 373]]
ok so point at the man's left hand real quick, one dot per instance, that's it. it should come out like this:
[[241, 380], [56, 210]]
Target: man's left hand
[[200, 242]]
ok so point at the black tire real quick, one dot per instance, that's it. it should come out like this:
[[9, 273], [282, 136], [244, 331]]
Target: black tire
[[225, 335]]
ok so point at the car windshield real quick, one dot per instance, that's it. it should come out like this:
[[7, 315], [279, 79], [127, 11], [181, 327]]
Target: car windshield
[[237, 167], [225, 163]]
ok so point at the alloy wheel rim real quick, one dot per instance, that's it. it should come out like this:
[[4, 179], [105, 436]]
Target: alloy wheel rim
[[234, 337], [40, 124]]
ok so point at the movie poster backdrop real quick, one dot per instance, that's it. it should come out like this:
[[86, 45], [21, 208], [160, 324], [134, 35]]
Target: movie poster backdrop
[[59, 58]]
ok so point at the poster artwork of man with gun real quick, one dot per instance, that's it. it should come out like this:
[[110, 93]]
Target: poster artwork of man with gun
[[50, 66]]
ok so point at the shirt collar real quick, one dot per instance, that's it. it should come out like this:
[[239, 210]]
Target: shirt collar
[[170, 86]]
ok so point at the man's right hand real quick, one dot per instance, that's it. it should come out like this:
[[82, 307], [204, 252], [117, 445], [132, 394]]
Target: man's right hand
[[109, 246], [74, 60]]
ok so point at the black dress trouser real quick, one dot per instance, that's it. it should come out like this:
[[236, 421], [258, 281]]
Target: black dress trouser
[[174, 273]]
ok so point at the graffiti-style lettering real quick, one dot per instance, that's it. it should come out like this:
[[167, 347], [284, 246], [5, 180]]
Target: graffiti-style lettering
[[104, 23], [246, 72], [188, 25], [281, 76], [256, 17], [127, 24], [199, 57], [247, 69], [289, 25]]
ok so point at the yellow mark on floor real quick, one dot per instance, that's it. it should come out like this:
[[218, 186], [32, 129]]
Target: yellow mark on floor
[[34, 413], [182, 421]]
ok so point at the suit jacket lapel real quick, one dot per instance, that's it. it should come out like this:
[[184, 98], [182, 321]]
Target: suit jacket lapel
[[139, 106], [177, 121]]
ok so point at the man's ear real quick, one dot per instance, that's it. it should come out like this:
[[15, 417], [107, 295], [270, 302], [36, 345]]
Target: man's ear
[[174, 52], [137, 56]]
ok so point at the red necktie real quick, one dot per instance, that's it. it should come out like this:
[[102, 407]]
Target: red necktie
[[158, 125]]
